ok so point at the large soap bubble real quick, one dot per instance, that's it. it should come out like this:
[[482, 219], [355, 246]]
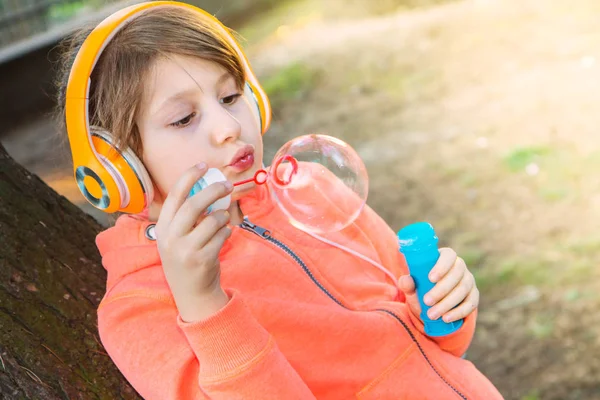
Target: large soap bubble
[[319, 182]]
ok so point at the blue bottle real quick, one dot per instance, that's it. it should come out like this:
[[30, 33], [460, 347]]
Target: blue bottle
[[419, 245]]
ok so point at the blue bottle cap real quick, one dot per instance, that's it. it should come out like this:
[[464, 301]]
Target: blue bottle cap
[[417, 237]]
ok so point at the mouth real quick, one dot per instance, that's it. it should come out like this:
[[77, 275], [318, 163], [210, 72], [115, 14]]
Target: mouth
[[243, 159]]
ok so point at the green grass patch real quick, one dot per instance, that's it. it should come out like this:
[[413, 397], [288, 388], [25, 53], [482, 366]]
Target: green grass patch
[[487, 278], [520, 158], [562, 170], [289, 83], [279, 14], [532, 395], [473, 257], [513, 272], [64, 12], [554, 193], [577, 271], [572, 295], [468, 179], [585, 246], [541, 326], [484, 278]]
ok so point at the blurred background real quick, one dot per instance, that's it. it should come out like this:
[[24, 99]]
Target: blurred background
[[479, 116]]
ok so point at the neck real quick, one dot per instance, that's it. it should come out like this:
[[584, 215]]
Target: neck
[[236, 213]]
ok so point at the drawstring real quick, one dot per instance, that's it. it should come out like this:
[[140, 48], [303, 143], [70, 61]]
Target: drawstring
[[357, 254]]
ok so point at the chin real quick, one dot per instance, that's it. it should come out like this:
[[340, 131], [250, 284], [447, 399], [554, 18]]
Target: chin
[[241, 191]]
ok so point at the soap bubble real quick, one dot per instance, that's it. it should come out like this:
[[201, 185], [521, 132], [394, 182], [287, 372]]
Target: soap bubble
[[319, 182]]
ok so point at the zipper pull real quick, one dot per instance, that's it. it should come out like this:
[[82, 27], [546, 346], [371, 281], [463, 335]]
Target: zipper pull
[[257, 230]]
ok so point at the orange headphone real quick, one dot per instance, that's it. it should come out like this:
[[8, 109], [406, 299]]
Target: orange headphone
[[113, 179]]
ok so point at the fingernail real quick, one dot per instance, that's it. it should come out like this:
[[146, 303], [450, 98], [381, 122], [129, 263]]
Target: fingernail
[[446, 318], [433, 277], [427, 300], [228, 185], [432, 315], [201, 165]]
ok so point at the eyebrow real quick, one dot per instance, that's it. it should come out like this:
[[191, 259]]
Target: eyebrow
[[224, 77], [176, 96], [184, 93]]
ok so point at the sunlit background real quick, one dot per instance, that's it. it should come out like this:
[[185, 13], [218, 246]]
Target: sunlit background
[[481, 117]]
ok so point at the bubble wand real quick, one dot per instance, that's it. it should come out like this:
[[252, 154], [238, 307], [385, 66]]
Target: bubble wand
[[265, 174]]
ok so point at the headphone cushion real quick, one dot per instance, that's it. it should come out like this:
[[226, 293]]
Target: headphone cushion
[[131, 174]]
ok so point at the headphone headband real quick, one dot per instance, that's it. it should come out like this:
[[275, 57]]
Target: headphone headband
[[113, 188]]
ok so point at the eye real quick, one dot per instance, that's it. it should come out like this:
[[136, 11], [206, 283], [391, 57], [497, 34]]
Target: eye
[[230, 99], [184, 121]]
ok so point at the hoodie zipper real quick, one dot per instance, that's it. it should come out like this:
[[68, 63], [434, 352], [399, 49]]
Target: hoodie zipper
[[266, 235]]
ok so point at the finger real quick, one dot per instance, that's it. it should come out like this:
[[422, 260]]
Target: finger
[[178, 194], [448, 282], [215, 244], [407, 284], [454, 298], [193, 208], [443, 264], [414, 304], [465, 308], [206, 229]]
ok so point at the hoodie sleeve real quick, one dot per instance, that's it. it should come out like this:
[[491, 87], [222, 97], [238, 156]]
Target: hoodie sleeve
[[457, 342], [227, 356]]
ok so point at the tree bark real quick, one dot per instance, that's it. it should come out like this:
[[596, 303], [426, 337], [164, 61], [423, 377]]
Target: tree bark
[[51, 282]]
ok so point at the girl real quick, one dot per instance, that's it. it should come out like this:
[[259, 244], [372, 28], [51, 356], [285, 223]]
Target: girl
[[236, 304]]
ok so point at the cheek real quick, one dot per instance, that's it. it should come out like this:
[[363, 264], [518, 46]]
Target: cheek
[[251, 133], [165, 169]]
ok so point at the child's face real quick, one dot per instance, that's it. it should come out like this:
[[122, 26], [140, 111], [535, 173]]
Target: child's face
[[193, 112]]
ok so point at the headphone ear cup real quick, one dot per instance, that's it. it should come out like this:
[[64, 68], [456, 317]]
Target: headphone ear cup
[[94, 189], [134, 183]]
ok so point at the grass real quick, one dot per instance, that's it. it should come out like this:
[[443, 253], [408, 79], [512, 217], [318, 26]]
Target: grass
[[554, 193], [541, 326], [562, 172], [473, 257], [63, 12], [532, 395], [518, 159], [572, 295], [585, 246], [286, 13], [510, 272], [289, 83]]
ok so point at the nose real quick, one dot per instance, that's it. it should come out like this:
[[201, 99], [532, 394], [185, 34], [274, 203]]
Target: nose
[[224, 126]]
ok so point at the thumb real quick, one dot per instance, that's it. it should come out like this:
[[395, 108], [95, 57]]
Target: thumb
[[407, 284]]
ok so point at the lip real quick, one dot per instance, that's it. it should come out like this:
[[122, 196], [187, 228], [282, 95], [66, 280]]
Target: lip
[[241, 153]]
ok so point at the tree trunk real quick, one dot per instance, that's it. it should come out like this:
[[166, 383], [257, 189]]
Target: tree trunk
[[51, 282]]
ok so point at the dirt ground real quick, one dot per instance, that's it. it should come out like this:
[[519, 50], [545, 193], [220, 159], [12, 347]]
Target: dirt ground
[[480, 117]]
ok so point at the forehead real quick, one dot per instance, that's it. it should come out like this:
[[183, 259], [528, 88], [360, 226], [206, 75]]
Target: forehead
[[173, 74]]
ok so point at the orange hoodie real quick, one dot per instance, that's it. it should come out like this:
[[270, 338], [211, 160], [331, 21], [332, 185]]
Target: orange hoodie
[[305, 320]]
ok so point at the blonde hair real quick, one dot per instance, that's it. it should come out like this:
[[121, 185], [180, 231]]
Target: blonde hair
[[117, 80]]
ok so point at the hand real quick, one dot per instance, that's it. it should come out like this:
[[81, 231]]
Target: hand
[[455, 287], [189, 242]]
